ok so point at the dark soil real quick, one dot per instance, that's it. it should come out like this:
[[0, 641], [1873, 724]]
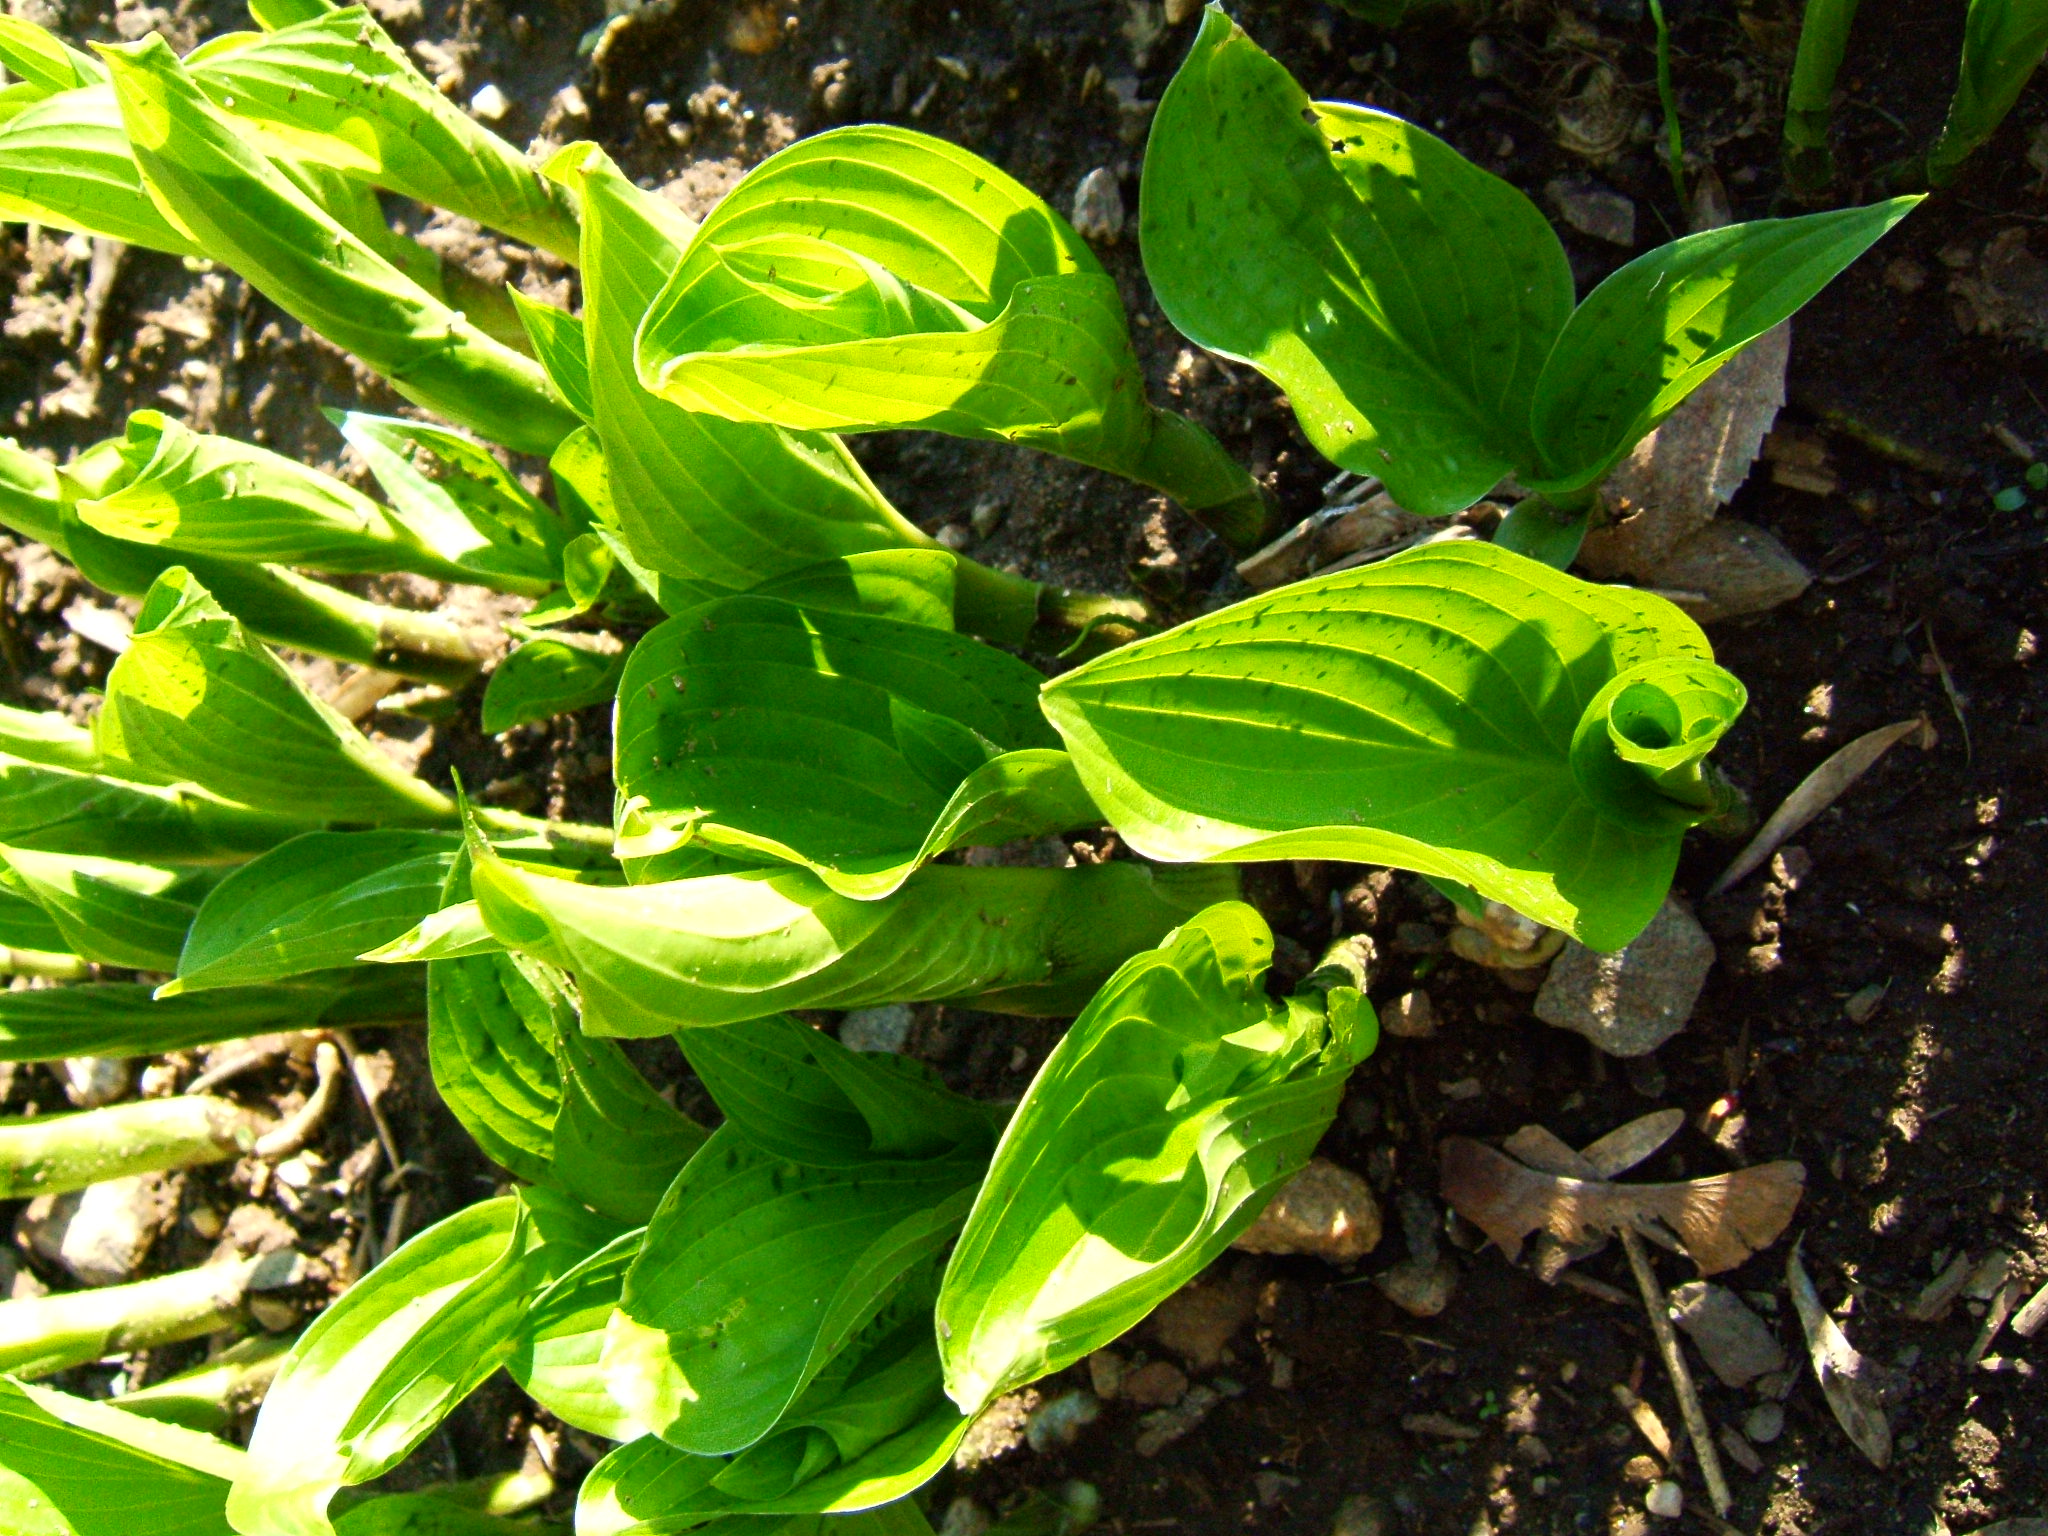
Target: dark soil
[[1919, 1132]]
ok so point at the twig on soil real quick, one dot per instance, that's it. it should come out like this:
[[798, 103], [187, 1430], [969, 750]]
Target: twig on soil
[[369, 1096], [1955, 700], [1696, 1427], [292, 1134]]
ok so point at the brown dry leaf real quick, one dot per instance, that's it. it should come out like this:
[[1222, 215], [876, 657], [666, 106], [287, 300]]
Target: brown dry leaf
[[1844, 1377], [1816, 792], [1720, 1221], [1618, 1151]]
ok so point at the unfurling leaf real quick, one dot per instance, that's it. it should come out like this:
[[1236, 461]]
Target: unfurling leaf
[[240, 208], [857, 746], [1175, 1106], [873, 277], [194, 698], [1456, 710], [720, 948]]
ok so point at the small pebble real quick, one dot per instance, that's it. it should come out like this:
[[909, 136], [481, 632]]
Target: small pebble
[[886, 1028], [1665, 1500], [1060, 1420], [1411, 1016], [1362, 1515], [92, 1081], [1764, 1423], [1099, 207], [955, 536], [490, 104], [964, 1517], [987, 516], [1160, 1384]]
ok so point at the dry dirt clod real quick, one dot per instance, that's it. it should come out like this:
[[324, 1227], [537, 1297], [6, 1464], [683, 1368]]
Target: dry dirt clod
[[1594, 210], [1631, 1001], [1736, 1344], [1197, 1321], [1421, 1288], [1156, 1431], [1731, 568], [1325, 1211], [1845, 1377], [1411, 1016], [1159, 1384]]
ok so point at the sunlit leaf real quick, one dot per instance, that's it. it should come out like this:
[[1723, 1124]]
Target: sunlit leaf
[[551, 675]]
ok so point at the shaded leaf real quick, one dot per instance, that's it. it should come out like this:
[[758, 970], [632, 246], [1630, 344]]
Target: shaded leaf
[[550, 675], [857, 746], [1402, 297], [1176, 1105], [559, 344], [1844, 1379], [69, 1467], [562, 1337], [2003, 41], [59, 811], [1456, 710]]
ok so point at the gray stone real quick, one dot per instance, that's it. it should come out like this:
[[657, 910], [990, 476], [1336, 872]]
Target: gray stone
[[1099, 207], [1325, 1211], [1631, 1001], [91, 1081], [1729, 569], [1059, 1421], [964, 1517], [1421, 1288], [1362, 1515], [1594, 210], [100, 1234], [1737, 1345], [876, 1029], [1764, 1423], [1411, 1016]]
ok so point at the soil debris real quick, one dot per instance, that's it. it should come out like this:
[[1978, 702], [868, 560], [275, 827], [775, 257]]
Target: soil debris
[[1737, 1345], [1631, 1001], [1325, 1211]]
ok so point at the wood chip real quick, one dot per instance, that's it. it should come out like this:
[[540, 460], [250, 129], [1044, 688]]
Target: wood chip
[[1941, 1292], [1439, 1425], [1645, 1419], [2028, 1320], [1816, 792], [1738, 1450], [1720, 1221], [1839, 1369], [1995, 1314]]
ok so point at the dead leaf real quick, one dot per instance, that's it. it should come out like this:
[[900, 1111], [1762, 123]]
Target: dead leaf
[[1720, 1221], [1618, 1151], [1844, 1377], [1816, 792]]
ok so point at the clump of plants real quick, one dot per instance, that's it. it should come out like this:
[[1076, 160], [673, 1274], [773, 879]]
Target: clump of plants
[[797, 1313]]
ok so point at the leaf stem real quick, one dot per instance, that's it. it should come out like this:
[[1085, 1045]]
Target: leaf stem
[[1667, 96], [43, 1334], [53, 1153], [1823, 38], [211, 1397], [1190, 466]]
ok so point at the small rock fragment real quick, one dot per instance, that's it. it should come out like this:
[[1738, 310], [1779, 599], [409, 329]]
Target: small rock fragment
[[273, 1314], [1106, 1372], [1099, 207], [490, 104], [999, 1430], [1737, 1345], [1059, 1421], [1665, 1500], [1594, 210], [885, 1029], [955, 536], [100, 1234], [1160, 1384], [1631, 1001], [1764, 1423], [1731, 568], [1411, 1016], [987, 516], [1419, 1288], [92, 1081], [1197, 1321], [1271, 1487], [964, 1517], [1324, 1211], [1362, 1515], [1532, 1451], [1178, 11], [1738, 1450], [1156, 1431], [1438, 1426]]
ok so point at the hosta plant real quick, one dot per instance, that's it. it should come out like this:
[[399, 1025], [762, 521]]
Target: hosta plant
[[1419, 311]]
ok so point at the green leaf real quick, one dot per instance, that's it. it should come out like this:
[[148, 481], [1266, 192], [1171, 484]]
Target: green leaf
[[44, 59], [551, 675], [317, 902], [58, 811], [1421, 712], [2003, 41], [108, 911], [192, 492], [1545, 533], [912, 586], [649, 1488], [475, 515], [721, 948], [1660, 327], [241, 209], [334, 90], [65, 162], [194, 698], [857, 746], [1402, 297], [801, 1096], [760, 1268], [31, 494], [120, 1018], [1180, 1100], [559, 344], [46, 737], [557, 1359], [511, 1061], [729, 503], [381, 1366], [69, 1467]]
